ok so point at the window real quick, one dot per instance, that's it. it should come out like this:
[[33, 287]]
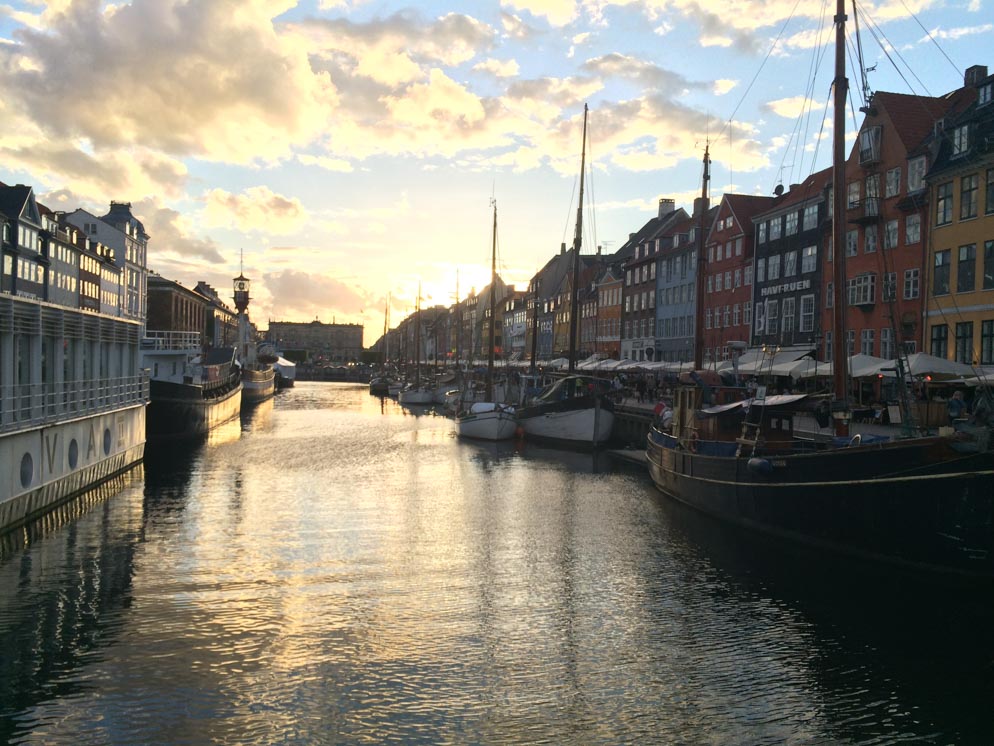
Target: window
[[961, 140], [916, 173], [829, 295], [886, 344], [747, 279], [940, 279], [717, 283], [944, 204], [775, 229], [787, 315], [851, 342], [772, 311], [761, 270], [710, 253], [912, 229], [968, 197], [773, 267], [940, 340], [869, 144], [989, 193], [791, 226], [890, 234], [866, 341], [760, 317], [790, 264], [861, 290], [852, 243], [889, 289], [728, 280], [736, 314], [964, 342], [828, 345], [869, 240], [807, 313], [747, 314], [911, 283], [728, 314], [853, 194], [988, 265], [893, 185], [738, 278], [707, 318], [738, 246], [761, 236], [984, 94], [987, 343], [809, 258], [966, 269]]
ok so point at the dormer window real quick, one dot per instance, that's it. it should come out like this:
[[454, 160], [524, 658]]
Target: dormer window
[[869, 145], [961, 140], [984, 94]]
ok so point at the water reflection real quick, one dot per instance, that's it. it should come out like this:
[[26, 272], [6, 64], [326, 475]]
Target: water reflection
[[344, 572]]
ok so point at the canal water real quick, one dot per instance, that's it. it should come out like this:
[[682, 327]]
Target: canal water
[[337, 569]]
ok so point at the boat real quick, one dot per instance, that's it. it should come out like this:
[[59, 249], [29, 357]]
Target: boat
[[286, 373], [258, 377], [379, 385], [574, 411], [73, 394], [922, 502], [415, 392], [190, 393], [489, 419]]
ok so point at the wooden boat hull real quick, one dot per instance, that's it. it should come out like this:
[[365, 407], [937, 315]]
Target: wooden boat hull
[[581, 421], [258, 384], [494, 424], [416, 396], [187, 410], [919, 503]]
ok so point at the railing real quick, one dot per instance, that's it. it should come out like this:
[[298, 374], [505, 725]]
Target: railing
[[170, 341], [35, 404]]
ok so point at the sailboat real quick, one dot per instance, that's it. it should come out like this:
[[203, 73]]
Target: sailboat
[[488, 419], [415, 393], [379, 385], [574, 410], [923, 502]]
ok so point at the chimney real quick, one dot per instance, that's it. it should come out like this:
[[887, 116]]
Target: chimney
[[975, 75], [666, 206], [599, 249], [698, 206], [562, 248]]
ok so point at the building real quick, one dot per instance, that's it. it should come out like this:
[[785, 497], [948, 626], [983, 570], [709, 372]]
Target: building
[[609, 286], [959, 315], [331, 343], [790, 241], [728, 284]]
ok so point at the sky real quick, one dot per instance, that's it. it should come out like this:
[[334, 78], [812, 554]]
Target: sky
[[344, 152]]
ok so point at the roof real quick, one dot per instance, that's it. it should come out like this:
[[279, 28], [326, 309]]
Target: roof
[[12, 200], [914, 117]]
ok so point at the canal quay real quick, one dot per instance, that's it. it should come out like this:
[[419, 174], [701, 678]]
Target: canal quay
[[334, 568]]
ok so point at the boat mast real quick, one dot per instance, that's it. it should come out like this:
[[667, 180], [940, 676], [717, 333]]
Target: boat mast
[[577, 240], [417, 338], [701, 267], [537, 284], [839, 346], [493, 307], [383, 347]]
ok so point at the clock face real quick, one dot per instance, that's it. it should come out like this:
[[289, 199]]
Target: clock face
[[241, 285]]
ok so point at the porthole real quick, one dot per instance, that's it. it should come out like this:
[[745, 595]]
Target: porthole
[[27, 469], [106, 441], [73, 453]]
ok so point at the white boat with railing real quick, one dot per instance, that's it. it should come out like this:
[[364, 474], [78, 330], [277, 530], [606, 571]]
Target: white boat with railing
[[190, 391]]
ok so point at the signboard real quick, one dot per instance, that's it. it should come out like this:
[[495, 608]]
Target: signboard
[[786, 287]]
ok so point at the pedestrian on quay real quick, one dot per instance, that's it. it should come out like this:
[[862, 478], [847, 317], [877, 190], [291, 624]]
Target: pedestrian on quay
[[956, 407]]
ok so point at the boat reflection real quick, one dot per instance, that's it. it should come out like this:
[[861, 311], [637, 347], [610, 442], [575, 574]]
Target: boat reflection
[[258, 417]]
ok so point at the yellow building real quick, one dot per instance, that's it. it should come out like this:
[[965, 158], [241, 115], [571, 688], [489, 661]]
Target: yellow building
[[960, 307]]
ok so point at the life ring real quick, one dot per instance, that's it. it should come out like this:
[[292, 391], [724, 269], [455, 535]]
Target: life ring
[[692, 442]]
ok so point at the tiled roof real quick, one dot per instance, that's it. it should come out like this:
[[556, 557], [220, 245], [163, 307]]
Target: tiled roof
[[914, 117], [12, 199]]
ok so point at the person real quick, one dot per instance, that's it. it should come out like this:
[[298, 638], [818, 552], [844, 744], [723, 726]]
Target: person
[[956, 406]]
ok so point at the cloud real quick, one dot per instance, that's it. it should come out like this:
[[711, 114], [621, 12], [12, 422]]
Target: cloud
[[499, 68], [302, 294], [639, 71], [723, 86], [258, 208], [956, 33], [556, 12], [171, 237], [182, 78], [791, 108], [328, 164]]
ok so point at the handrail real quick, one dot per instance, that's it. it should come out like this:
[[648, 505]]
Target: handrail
[[30, 405]]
